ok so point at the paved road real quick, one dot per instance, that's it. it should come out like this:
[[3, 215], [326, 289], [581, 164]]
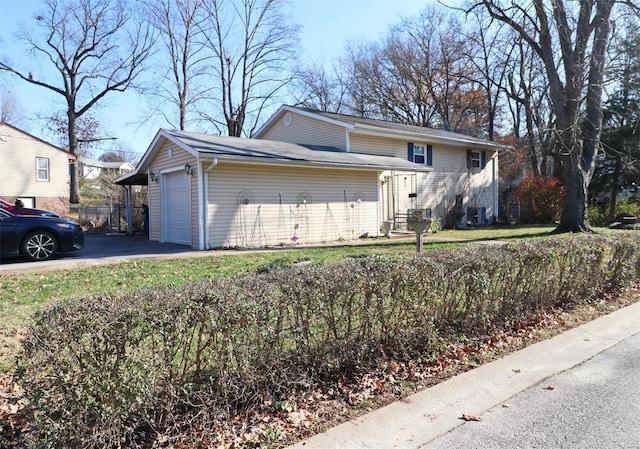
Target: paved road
[[594, 405], [595, 372]]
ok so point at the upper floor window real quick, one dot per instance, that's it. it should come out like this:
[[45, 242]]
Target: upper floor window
[[476, 159], [42, 168], [420, 154]]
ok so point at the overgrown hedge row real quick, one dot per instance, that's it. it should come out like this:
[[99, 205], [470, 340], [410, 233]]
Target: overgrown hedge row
[[100, 371]]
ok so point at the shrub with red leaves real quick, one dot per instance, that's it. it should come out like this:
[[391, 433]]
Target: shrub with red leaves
[[542, 197]]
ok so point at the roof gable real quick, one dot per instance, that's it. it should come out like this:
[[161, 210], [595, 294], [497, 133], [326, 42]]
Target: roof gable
[[9, 127]]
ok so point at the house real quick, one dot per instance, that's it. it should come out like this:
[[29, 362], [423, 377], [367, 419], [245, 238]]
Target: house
[[33, 171], [311, 176], [91, 169], [458, 183], [219, 192]]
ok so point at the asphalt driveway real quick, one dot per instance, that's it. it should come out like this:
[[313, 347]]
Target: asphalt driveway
[[105, 249], [101, 249]]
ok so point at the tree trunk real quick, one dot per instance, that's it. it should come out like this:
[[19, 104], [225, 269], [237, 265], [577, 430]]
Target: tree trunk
[[574, 202], [74, 185]]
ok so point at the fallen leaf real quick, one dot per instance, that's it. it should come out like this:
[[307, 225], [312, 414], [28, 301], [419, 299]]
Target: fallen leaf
[[516, 370], [471, 417], [549, 387], [506, 405]]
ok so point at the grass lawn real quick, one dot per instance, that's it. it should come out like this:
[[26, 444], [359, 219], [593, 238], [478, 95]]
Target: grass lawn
[[21, 294]]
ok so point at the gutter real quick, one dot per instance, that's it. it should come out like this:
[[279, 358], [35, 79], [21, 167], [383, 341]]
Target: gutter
[[301, 163], [386, 132]]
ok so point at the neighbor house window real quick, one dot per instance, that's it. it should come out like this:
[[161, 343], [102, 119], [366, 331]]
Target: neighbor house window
[[43, 168], [420, 154]]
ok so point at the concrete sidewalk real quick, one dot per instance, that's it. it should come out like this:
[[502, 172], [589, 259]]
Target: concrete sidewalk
[[424, 416]]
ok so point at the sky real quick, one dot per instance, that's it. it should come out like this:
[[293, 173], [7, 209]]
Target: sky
[[327, 27]]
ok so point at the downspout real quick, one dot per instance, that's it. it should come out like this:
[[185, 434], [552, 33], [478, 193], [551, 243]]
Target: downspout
[[149, 181], [200, 205], [128, 201], [496, 188], [378, 201], [205, 189]]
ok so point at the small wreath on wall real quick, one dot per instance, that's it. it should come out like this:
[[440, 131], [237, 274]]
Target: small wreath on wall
[[304, 198], [245, 197], [358, 197]]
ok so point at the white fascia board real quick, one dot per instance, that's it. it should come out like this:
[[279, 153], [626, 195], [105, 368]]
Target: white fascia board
[[291, 109], [154, 147], [253, 161], [320, 117], [266, 125], [171, 138], [467, 141]]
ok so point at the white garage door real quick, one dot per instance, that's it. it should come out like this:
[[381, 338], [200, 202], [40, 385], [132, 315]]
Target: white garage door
[[177, 208]]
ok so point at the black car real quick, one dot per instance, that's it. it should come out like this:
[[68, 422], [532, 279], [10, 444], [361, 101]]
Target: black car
[[37, 238]]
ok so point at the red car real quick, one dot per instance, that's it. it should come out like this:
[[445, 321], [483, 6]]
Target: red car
[[18, 210]]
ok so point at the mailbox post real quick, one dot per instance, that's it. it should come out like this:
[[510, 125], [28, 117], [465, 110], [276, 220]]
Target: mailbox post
[[419, 224]]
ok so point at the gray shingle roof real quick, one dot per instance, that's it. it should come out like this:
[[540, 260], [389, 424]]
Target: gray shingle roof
[[375, 126], [266, 152], [269, 151]]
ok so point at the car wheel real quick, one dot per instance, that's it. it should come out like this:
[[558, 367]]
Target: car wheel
[[39, 245]]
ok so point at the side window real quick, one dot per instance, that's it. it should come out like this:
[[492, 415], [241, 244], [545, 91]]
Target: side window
[[42, 167], [476, 159], [420, 154]]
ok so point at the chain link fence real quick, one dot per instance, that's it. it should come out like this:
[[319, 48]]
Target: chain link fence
[[106, 219]]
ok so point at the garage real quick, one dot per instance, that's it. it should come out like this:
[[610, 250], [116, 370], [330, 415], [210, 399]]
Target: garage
[[176, 208], [209, 191]]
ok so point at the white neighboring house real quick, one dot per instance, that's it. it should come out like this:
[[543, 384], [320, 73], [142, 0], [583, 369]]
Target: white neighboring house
[[92, 169]]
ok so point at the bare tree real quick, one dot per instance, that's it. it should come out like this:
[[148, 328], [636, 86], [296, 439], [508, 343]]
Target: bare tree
[[179, 23], [94, 47], [575, 78], [87, 132], [420, 74], [491, 55], [322, 90], [10, 110], [528, 101], [252, 47]]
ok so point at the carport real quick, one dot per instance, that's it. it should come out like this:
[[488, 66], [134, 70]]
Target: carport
[[136, 179]]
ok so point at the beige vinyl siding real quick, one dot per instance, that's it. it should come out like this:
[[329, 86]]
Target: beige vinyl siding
[[254, 205], [380, 146], [18, 170], [307, 131], [163, 163], [437, 189]]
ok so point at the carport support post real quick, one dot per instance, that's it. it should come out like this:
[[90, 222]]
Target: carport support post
[[129, 201]]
